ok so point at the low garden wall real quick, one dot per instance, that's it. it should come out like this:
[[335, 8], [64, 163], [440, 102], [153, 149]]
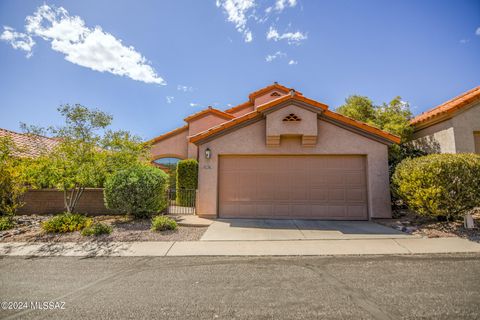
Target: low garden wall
[[50, 201]]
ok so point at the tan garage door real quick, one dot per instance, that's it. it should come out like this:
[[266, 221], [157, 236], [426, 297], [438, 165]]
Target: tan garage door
[[308, 187]]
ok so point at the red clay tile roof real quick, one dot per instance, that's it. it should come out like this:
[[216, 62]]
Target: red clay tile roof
[[169, 134], [448, 107], [298, 97], [262, 91], [239, 107], [224, 126], [252, 96], [362, 125], [30, 145], [295, 96], [210, 110]]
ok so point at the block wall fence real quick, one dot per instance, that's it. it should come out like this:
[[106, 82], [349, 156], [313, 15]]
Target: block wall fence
[[50, 201]]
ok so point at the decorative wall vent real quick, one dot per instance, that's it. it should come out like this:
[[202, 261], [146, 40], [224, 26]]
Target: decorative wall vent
[[292, 117], [275, 94]]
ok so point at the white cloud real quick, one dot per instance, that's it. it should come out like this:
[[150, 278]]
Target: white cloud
[[290, 37], [184, 88], [464, 41], [477, 32], [281, 4], [292, 62], [248, 36], [169, 99], [278, 54], [193, 104], [237, 12], [88, 47], [18, 40]]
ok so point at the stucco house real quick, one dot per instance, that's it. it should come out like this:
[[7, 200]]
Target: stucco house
[[283, 155], [452, 127]]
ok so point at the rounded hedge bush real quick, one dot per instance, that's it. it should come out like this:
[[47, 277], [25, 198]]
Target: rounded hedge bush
[[138, 191], [162, 223], [187, 178], [442, 185]]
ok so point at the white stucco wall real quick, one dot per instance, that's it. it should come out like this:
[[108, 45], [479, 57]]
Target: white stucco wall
[[454, 135], [465, 123], [438, 138], [173, 146], [331, 140]]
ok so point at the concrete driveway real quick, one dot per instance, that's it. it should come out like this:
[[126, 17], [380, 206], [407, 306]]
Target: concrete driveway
[[269, 229]]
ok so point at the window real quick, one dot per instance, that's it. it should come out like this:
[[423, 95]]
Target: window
[[275, 94], [476, 138], [292, 117], [170, 163]]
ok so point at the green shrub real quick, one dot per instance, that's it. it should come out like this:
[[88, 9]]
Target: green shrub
[[442, 185], [6, 223], [187, 178], [97, 229], [161, 223], [138, 191], [66, 222], [12, 184]]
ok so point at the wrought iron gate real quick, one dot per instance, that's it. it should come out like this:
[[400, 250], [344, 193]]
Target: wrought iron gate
[[181, 201]]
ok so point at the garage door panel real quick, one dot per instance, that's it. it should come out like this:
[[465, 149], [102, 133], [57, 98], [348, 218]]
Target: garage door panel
[[355, 163], [334, 178], [320, 187], [337, 211], [264, 210], [281, 210], [336, 195], [356, 211], [319, 194], [354, 178], [357, 195]]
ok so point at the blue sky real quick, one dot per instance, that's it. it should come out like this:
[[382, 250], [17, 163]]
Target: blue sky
[[152, 63]]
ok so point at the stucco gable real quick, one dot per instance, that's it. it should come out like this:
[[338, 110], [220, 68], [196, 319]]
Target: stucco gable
[[291, 120]]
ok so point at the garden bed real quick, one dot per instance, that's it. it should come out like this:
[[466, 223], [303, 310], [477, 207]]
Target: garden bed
[[28, 229], [409, 222]]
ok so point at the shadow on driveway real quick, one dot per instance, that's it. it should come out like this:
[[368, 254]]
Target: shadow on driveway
[[271, 229]]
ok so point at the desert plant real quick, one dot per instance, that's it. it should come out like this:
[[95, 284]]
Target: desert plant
[[442, 185], [85, 154], [6, 223], [97, 229], [162, 223], [66, 222], [138, 191], [11, 178], [187, 178]]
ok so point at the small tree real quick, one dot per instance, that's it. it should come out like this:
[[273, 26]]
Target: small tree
[[11, 178], [393, 117], [360, 108], [85, 155]]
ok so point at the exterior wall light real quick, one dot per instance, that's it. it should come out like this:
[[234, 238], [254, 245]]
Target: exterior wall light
[[208, 153]]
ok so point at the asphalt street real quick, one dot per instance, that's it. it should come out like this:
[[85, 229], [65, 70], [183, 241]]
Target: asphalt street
[[359, 287]]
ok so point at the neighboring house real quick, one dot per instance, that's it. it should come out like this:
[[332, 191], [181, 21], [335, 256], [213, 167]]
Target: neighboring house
[[282, 155], [29, 145], [452, 127]]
